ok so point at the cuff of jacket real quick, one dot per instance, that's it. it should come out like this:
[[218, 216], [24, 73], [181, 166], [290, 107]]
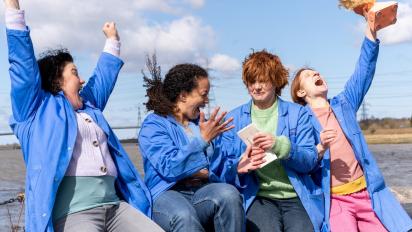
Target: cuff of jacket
[[112, 46], [282, 147], [15, 19]]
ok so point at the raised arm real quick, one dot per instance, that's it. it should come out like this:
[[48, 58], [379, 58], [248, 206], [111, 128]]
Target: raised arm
[[24, 72], [360, 81], [101, 83]]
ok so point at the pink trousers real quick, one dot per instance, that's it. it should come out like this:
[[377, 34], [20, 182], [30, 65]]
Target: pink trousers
[[353, 213]]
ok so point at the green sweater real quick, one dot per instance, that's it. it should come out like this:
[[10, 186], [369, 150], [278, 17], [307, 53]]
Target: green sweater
[[273, 180]]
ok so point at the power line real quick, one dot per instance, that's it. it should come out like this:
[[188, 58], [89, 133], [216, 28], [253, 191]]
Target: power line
[[364, 111]]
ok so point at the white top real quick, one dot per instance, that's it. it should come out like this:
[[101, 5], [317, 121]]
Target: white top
[[91, 155]]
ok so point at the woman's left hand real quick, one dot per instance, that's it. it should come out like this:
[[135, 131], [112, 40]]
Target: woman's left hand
[[215, 125], [264, 140]]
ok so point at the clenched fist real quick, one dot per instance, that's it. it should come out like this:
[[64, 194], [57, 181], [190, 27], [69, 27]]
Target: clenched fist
[[110, 31], [13, 4]]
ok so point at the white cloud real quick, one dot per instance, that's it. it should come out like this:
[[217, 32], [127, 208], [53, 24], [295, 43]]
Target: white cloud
[[77, 26], [182, 40], [196, 3], [402, 30], [224, 63]]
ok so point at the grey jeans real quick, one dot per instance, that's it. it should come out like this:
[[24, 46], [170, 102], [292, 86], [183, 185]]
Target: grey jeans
[[110, 218]]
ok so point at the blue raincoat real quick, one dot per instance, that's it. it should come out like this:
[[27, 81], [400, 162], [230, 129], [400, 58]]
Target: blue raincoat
[[46, 127], [169, 155], [344, 106], [294, 123]]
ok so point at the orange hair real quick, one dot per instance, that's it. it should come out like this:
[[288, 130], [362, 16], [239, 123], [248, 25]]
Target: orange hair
[[264, 67], [295, 87]]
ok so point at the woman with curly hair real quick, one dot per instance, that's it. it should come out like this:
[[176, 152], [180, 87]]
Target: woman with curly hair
[[78, 176], [182, 159], [356, 197], [280, 196]]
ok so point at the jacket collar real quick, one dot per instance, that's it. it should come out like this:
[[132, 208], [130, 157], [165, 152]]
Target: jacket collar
[[336, 108], [282, 107], [282, 111], [314, 119], [173, 120], [85, 103]]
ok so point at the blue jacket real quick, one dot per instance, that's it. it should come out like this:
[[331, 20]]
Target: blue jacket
[[169, 155], [46, 127], [294, 123], [344, 106]]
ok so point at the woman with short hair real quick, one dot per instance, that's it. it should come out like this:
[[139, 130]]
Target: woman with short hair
[[356, 197], [280, 196], [78, 176]]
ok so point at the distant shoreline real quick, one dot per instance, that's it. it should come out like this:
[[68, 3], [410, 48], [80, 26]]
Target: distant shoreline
[[15, 146], [388, 136], [370, 139], [389, 139]]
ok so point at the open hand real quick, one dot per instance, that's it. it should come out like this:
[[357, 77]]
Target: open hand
[[214, 126]]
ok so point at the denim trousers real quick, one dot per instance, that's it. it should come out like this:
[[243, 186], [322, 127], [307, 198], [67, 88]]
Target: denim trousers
[[107, 218], [209, 207], [267, 215]]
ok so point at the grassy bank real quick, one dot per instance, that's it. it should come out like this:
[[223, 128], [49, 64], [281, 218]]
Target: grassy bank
[[389, 136]]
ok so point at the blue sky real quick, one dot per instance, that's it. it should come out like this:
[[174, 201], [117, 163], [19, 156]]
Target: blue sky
[[219, 34]]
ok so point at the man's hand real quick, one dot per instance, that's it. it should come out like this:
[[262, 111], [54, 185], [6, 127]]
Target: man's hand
[[13, 4], [110, 31]]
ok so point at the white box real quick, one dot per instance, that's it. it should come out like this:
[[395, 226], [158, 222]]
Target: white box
[[247, 133]]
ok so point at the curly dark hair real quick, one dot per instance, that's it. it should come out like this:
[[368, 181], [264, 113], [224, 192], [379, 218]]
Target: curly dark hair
[[163, 95], [51, 65]]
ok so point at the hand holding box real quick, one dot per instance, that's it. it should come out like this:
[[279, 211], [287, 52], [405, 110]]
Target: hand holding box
[[378, 14], [247, 134]]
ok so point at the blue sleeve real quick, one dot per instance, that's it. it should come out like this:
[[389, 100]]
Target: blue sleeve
[[101, 84], [170, 161], [24, 74], [225, 169], [225, 161], [303, 154], [360, 81]]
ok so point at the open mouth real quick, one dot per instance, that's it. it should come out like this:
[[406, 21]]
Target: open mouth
[[319, 82], [197, 110]]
